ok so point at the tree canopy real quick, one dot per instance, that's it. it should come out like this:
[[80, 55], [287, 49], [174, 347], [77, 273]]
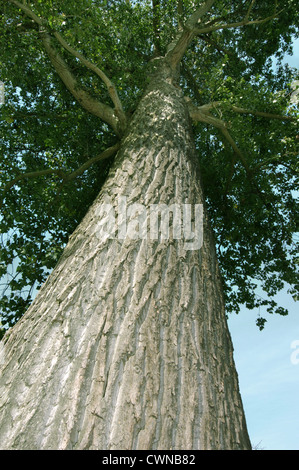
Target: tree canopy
[[73, 74]]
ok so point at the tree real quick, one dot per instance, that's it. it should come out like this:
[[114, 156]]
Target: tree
[[115, 108]]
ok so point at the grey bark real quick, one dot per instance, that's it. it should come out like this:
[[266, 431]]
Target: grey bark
[[126, 345]]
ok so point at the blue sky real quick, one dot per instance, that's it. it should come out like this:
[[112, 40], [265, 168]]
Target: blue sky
[[269, 379]]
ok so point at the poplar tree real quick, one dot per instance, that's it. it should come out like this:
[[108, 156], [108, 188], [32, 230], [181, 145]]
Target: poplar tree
[[130, 105]]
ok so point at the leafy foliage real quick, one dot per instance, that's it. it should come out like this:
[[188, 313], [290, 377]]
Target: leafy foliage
[[251, 200]]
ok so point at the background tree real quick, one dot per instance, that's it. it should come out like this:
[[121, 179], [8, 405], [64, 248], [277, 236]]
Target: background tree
[[71, 104]]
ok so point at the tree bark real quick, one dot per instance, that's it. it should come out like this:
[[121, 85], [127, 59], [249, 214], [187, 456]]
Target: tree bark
[[126, 345]]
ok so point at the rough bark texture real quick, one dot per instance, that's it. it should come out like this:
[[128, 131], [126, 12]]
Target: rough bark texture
[[126, 345]]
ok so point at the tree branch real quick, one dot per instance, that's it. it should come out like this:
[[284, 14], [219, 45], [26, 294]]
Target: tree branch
[[89, 103], [202, 114], [195, 18], [237, 151], [28, 12], [214, 44], [237, 24], [180, 14], [110, 86], [117, 118], [207, 107], [248, 170], [108, 153], [277, 161], [62, 174], [177, 49], [231, 174], [249, 10], [280, 117]]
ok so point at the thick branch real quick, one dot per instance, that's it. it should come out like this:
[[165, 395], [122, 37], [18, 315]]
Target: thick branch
[[194, 19], [202, 114], [89, 103], [28, 12], [110, 86], [92, 105], [178, 49]]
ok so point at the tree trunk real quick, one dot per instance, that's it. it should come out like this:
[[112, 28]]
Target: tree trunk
[[126, 345]]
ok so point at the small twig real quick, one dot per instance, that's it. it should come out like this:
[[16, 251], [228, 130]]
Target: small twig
[[102, 156], [214, 104], [275, 160], [249, 10], [66, 177], [263, 114], [237, 24]]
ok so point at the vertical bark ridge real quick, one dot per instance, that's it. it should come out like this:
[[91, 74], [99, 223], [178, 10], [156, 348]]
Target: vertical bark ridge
[[126, 345]]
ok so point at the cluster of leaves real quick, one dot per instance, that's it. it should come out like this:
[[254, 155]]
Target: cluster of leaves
[[252, 205]]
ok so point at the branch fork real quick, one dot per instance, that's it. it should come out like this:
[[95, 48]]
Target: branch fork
[[116, 117]]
